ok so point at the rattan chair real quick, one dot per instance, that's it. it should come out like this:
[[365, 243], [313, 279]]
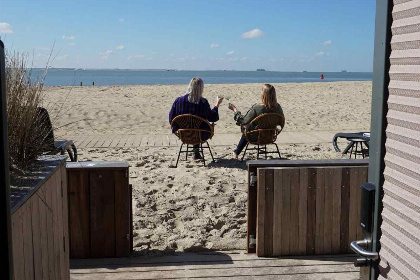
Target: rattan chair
[[263, 131], [192, 130]]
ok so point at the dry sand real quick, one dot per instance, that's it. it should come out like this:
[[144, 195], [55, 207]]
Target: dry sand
[[195, 208], [144, 109]]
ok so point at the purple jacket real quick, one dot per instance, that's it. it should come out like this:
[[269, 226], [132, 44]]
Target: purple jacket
[[183, 106]]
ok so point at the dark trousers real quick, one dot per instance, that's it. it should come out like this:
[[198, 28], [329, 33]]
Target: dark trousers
[[196, 149], [241, 145]]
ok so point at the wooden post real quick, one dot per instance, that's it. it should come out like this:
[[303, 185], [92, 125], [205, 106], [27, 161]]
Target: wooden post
[[5, 220]]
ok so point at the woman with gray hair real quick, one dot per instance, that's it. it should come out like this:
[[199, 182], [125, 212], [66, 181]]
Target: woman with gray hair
[[194, 103]]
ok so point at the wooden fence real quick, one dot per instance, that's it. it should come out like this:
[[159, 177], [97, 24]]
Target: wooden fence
[[305, 207], [100, 212], [40, 231]]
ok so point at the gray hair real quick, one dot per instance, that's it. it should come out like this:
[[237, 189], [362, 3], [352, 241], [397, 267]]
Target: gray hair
[[195, 90]]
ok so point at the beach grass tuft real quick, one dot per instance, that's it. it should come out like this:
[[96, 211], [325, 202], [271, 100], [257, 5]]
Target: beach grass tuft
[[28, 136]]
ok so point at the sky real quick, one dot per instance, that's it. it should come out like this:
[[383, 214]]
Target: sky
[[277, 35]]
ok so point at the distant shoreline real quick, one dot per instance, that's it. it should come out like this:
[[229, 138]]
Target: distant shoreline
[[179, 70], [148, 85]]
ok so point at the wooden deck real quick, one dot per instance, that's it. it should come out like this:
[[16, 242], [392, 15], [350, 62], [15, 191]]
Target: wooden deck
[[169, 140], [216, 265]]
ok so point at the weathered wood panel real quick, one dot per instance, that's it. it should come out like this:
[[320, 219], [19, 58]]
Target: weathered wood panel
[[100, 210], [122, 214], [78, 196], [37, 252], [308, 210]]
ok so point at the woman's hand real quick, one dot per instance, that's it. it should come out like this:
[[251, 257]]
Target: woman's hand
[[232, 107], [219, 101]]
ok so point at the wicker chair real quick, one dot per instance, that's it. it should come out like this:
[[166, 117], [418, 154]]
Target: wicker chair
[[192, 130], [262, 131]]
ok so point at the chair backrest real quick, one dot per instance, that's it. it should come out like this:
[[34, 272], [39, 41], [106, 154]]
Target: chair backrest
[[43, 121], [264, 129], [192, 129]]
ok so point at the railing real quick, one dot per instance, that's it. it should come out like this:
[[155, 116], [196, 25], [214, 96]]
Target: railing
[[304, 207]]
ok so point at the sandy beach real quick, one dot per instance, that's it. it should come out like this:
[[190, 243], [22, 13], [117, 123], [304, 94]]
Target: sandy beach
[[195, 208]]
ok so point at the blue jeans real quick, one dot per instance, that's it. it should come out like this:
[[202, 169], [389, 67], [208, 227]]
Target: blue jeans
[[241, 145]]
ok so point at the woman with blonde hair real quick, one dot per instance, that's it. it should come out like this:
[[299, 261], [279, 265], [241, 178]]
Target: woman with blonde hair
[[268, 105], [194, 103]]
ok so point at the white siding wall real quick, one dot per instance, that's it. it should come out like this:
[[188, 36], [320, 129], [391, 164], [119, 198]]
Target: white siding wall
[[400, 241]]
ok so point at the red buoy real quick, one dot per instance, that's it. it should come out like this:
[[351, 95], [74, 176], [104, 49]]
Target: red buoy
[[322, 76]]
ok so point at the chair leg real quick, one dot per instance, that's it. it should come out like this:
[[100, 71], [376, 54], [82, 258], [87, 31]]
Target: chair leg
[[361, 150], [186, 154], [351, 151], [258, 152], [179, 154], [243, 156], [350, 145], [73, 147], [202, 154], [210, 151], [265, 151], [278, 151], [70, 152], [355, 151]]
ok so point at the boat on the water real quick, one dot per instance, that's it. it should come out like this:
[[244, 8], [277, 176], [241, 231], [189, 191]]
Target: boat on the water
[[260, 69]]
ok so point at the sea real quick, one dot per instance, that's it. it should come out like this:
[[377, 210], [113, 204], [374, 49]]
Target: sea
[[88, 77]]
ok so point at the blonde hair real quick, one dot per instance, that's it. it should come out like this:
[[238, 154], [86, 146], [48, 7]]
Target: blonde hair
[[195, 90], [268, 96]]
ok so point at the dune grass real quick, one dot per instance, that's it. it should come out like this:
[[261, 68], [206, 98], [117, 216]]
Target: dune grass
[[28, 137]]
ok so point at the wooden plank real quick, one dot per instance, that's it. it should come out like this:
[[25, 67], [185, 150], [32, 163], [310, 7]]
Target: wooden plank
[[320, 204], [36, 237], [144, 141], [87, 140], [268, 212], [260, 212], [336, 208], [303, 210], [277, 209], [108, 141], [353, 219], [137, 141], [232, 272], [285, 214], [328, 215], [122, 214], [79, 212], [28, 253], [101, 141], [50, 230], [129, 142], [201, 261], [65, 212], [345, 207], [17, 239], [124, 139], [43, 210], [56, 233], [94, 142], [311, 221], [102, 211], [294, 212], [60, 224], [251, 210], [115, 141]]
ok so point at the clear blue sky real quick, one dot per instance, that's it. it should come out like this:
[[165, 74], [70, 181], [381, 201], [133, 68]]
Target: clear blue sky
[[283, 35]]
